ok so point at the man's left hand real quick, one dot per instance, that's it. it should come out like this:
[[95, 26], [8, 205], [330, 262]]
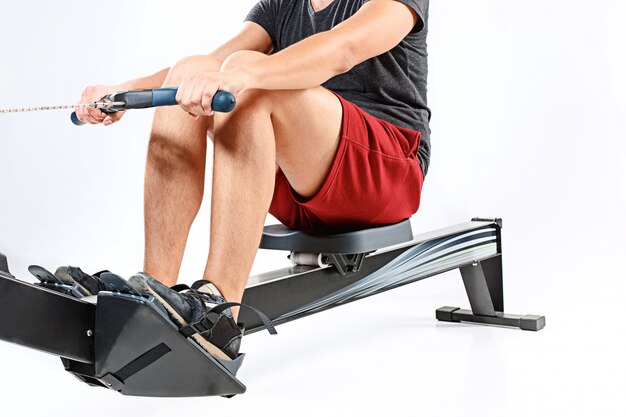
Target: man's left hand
[[196, 91]]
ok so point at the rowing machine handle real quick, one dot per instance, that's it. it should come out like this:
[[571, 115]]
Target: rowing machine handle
[[223, 101]]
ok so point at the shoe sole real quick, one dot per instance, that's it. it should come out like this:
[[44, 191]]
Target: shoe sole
[[67, 279], [205, 344]]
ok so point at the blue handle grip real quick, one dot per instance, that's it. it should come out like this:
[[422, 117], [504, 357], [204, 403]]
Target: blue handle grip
[[223, 101], [164, 97], [75, 119]]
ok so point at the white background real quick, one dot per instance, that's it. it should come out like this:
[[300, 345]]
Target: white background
[[528, 103]]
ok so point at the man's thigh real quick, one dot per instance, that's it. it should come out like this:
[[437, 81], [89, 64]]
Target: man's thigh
[[307, 125], [374, 179]]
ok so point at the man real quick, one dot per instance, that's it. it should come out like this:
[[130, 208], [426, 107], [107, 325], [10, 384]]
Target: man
[[330, 132]]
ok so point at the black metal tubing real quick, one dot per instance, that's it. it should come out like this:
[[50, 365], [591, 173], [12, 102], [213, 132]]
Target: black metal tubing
[[479, 292], [282, 296]]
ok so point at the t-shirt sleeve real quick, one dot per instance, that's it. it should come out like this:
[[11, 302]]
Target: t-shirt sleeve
[[265, 14], [421, 8]]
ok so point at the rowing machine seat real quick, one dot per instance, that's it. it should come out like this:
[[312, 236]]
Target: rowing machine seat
[[280, 237]]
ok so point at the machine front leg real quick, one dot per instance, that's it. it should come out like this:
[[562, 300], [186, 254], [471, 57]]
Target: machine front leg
[[483, 284]]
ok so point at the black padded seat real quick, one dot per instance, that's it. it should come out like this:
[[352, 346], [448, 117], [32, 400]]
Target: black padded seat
[[280, 237]]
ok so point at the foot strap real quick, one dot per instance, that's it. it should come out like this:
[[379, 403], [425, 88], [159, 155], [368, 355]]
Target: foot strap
[[205, 324]]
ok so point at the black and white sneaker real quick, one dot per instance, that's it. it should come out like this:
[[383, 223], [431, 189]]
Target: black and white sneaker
[[201, 312]]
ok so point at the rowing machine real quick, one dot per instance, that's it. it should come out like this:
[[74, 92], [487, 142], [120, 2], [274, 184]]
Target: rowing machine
[[126, 342]]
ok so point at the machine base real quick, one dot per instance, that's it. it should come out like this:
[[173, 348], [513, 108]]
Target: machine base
[[527, 322]]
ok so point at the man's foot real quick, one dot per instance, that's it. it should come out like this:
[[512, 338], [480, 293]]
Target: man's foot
[[90, 284], [197, 311]]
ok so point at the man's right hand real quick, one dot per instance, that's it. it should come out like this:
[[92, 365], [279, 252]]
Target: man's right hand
[[94, 93]]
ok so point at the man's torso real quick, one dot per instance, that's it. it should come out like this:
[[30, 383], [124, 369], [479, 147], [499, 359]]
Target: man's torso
[[391, 86]]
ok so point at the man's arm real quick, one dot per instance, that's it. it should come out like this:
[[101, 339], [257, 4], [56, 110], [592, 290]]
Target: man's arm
[[251, 37], [377, 27]]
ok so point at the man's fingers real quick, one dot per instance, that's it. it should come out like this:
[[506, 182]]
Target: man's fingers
[[196, 98], [184, 96], [112, 118], [95, 115], [195, 95], [117, 115], [87, 114], [84, 113], [84, 116], [108, 121], [207, 101]]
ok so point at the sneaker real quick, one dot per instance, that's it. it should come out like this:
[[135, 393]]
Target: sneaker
[[200, 311], [90, 284]]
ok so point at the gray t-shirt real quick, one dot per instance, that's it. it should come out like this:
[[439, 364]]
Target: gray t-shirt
[[391, 86]]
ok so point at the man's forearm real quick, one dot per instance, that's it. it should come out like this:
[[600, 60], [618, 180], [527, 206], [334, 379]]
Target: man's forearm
[[157, 79], [306, 64]]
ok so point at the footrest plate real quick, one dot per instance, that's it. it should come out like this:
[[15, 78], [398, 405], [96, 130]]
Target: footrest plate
[[139, 351]]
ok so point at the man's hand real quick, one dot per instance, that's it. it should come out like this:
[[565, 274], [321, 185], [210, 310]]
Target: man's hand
[[94, 93], [196, 91]]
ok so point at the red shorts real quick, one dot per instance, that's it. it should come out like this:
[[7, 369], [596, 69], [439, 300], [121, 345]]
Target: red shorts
[[375, 179]]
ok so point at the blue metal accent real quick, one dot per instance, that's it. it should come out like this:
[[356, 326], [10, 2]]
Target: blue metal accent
[[164, 96], [75, 120], [224, 102]]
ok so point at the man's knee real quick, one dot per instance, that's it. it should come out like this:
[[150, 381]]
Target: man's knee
[[239, 58], [189, 64], [258, 100], [254, 103], [209, 63]]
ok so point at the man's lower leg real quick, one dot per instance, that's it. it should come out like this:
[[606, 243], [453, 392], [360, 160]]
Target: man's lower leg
[[174, 181], [243, 183], [174, 185]]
